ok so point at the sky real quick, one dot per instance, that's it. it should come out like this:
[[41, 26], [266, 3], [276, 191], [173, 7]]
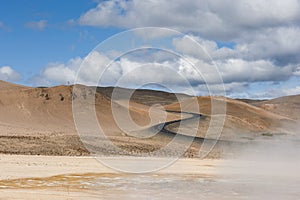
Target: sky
[[247, 49]]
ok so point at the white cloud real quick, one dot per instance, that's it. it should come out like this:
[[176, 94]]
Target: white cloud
[[177, 74], [280, 44], [37, 25], [257, 13], [199, 48], [182, 15], [235, 64], [154, 33], [297, 71], [8, 74], [213, 19], [262, 29], [265, 34], [238, 70], [60, 73], [130, 73]]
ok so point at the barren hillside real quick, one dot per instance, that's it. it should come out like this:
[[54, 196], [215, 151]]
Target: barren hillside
[[242, 120], [288, 106], [40, 120]]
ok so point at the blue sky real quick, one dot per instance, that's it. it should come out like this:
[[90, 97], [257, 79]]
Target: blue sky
[[28, 50], [255, 45]]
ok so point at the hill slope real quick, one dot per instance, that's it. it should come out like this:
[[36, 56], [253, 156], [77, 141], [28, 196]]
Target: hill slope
[[242, 120], [288, 106], [41, 121]]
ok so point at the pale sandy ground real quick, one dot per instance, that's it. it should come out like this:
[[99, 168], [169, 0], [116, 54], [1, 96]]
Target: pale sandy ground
[[50, 177], [17, 167], [25, 166]]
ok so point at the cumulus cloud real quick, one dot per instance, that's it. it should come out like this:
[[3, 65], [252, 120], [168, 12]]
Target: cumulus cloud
[[218, 19], [206, 50], [203, 62], [297, 71], [126, 71], [57, 73], [37, 25], [136, 13], [63, 73], [279, 44], [264, 34], [237, 70], [178, 74], [8, 74], [152, 34], [257, 13], [234, 64], [261, 29]]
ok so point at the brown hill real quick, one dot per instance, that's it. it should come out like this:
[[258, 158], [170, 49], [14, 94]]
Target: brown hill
[[288, 106], [40, 120], [8, 86], [143, 96], [242, 120]]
